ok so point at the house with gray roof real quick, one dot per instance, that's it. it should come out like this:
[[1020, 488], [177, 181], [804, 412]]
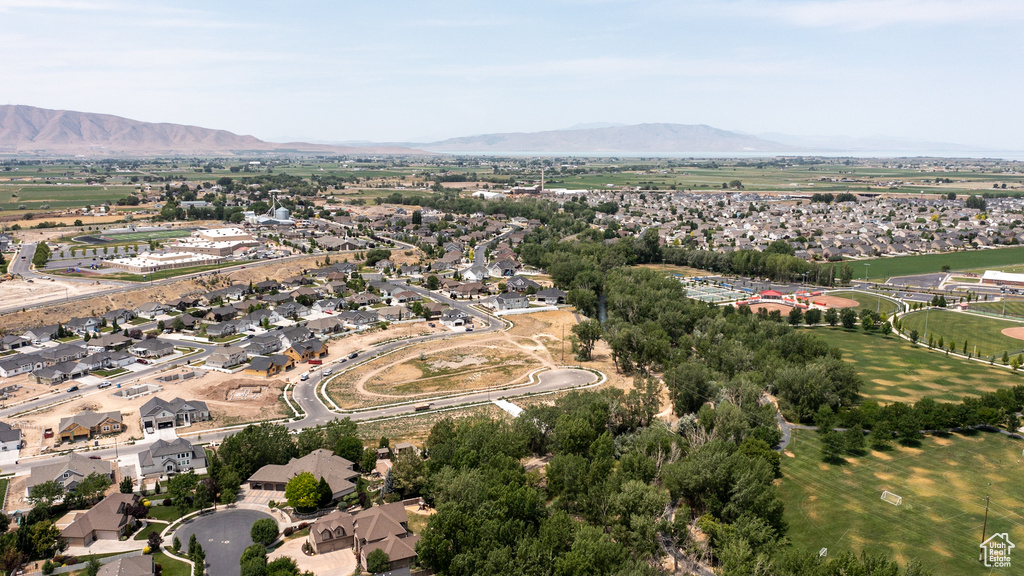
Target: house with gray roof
[[176, 456], [158, 413], [10, 438], [152, 348], [227, 357], [68, 470]]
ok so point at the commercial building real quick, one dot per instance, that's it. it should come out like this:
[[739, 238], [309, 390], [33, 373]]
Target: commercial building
[[155, 262]]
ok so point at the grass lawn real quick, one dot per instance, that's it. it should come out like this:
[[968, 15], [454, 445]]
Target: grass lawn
[[171, 566], [152, 276], [1012, 308], [109, 373], [149, 529], [885, 268], [167, 513], [943, 482], [895, 371], [979, 331], [3, 491], [876, 302]]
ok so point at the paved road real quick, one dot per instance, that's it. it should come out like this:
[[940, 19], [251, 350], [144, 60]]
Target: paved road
[[224, 535]]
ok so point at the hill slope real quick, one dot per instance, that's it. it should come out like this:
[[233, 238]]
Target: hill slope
[[31, 130], [651, 138]]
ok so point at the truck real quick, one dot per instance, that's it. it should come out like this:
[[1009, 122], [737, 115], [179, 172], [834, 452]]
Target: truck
[[316, 362], [423, 406]]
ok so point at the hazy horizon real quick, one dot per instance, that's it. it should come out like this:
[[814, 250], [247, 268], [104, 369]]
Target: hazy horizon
[[931, 71]]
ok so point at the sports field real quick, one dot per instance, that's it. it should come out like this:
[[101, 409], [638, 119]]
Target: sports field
[[876, 302], [1012, 308], [983, 334], [882, 269], [126, 237], [895, 371], [943, 483]]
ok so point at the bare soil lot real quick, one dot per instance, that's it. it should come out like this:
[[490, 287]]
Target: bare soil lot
[[836, 302]]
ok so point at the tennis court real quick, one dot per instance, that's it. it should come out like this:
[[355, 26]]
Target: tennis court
[[711, 292]]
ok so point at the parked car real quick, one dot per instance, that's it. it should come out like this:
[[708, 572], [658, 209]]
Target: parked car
[[142, 361], [106, 384]]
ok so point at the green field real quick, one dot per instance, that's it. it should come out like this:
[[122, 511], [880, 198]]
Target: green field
[[895, 371], [882, 269], [984, 335], [1011, 308], [34, 196], [943, 482], [134, 237], [127, 277], [875, 302]]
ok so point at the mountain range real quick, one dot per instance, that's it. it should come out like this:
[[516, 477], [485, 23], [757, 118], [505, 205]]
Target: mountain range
[[27, 130], [30, 130]]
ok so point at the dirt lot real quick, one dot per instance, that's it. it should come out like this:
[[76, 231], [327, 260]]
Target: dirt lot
[[769, 306], [260, 403], [1017, 333], [25, 293], [135, 296], [835, 302]]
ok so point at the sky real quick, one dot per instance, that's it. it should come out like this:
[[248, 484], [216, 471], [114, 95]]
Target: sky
[[395, 70]]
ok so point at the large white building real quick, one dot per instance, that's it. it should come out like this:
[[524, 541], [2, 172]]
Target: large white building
[[997, 278], [156, 261]]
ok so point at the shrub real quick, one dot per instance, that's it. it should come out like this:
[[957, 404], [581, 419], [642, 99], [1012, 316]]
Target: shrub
[[288, 531], [47, 568], [168, 502], [146, 550], [176, 545]]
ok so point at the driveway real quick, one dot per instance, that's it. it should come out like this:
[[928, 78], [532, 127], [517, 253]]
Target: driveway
[[224, 535], [337, 562]]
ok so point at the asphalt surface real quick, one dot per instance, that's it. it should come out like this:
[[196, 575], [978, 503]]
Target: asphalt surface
[[224, 535]]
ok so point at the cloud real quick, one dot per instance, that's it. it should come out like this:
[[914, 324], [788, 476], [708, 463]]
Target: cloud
[[867, 14], [614, 68]]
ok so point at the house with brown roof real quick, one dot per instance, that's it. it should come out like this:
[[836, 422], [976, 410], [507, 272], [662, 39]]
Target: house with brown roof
[[85, 425], [107, 520], [307, 350], [335, 470], [131, 566], [377, 528]]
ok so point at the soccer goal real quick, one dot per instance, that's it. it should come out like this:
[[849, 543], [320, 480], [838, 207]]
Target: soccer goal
[[892, 498]]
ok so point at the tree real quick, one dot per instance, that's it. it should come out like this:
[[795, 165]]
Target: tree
[[46, 493], [178, 324], [410, 473], [812, 317], [154, 541], [264, 531], [831, 316], [349, 448], [202, 496], [377, 561], [369, 461], [302, 493], [90, 488], [796, 316], [584, 336], [433, 283], [832, 446], [181, 488], [45, 537], [92, 568], [849, 318], [127, 485]]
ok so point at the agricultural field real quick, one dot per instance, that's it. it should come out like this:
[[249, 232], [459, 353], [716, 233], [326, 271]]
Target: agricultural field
[[881, 269], [893, 370], [877, 302], [943, 483], [34, 197], [984, 335]]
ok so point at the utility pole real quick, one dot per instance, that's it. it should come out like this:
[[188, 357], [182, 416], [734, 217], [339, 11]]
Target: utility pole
[[563, 345]]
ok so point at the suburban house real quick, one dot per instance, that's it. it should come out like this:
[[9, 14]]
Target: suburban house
[[83, 326], [550, 296], [60, 372], [511, 301], [68, 470], [176, 456], [306, 350], [227, 357], [120, 315], [152, 348], [262, 345], [222, 329], [377, 528], [323, 464], [112, 341], [359, 317], [159, 413], [107, 520], [104, 360], [131, 566], [453, 318], [10, 438], [13, 342], [324, 326], [42, 334], [520, 284], [268, 366], [151, 309], [394, 313], [85, 425]]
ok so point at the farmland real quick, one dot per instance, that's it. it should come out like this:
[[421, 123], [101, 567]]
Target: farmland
[[34, 197], [893, 370], [943, 483]]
